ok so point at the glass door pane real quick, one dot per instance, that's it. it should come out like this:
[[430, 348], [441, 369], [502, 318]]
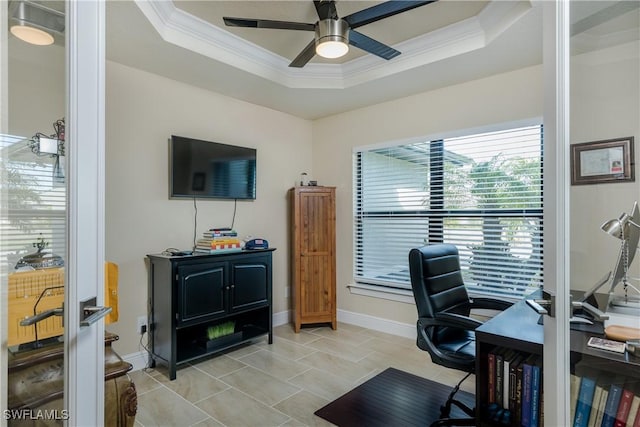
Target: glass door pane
[[604, 124], [33, 218]]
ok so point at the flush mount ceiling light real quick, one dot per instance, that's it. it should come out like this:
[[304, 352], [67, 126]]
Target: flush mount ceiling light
[[35, 23], [332, 38]]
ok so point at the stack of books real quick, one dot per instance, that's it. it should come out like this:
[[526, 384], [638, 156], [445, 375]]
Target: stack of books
[[217, 240]]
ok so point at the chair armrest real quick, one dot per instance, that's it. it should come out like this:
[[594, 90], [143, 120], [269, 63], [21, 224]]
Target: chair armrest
[[490, 303], [451, 320]]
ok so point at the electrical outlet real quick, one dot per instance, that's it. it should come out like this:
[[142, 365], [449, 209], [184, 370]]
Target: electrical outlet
[[142, 324], [286, 292]]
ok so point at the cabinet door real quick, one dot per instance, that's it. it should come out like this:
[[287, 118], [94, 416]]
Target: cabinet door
[[200, 291], [249, 283], [317, 262]]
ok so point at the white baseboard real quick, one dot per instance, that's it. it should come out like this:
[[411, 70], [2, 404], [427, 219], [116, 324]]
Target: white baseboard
[[281, 318], [139, 359], [378, 323]]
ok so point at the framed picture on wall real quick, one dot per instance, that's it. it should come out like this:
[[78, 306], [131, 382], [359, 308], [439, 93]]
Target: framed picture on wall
[[600, 162]]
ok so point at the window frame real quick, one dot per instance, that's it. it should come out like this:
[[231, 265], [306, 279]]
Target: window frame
[[435, 212]]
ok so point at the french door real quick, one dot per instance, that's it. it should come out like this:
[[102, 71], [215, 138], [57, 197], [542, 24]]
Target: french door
[[592, 94], [79, 91]]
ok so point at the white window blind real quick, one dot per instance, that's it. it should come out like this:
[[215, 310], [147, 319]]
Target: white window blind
[[482, 193], [33, 191]]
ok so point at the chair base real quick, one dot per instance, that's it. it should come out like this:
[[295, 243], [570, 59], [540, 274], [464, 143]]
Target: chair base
[[445, 410]]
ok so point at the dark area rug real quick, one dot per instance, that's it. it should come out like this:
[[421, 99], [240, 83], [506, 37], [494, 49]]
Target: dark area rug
[[392, 398]]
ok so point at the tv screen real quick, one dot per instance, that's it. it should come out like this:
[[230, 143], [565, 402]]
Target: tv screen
[[204, 169]]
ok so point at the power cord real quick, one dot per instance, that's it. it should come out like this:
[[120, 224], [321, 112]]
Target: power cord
[[235, 207], [146, 348]]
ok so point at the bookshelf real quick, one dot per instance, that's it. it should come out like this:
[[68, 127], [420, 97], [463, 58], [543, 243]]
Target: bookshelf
[[515, 335]]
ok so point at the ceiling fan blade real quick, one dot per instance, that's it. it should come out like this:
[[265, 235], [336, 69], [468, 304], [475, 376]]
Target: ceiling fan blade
[[370, 45], [304, 56], [326, 9], [382, 10], [266, 23]]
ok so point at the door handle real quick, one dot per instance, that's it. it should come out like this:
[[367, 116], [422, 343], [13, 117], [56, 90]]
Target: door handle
[[90, 313], [545, 305]]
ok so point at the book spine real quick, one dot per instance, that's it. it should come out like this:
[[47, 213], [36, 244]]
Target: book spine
[[574, 390], [595, 407], [611, 407], [499, 378], [603, 403], [519, 385], [535, 395], [508, 358], [491, 377], [623, 408], [585, 402], [635, 407], [636, 421], [513, 381], [526, 395]]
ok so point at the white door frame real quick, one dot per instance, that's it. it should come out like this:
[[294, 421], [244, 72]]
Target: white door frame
[[84, 346], [556, 209], [4, 86]]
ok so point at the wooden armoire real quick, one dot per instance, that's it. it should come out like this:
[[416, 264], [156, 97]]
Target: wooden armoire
[[313, 252]]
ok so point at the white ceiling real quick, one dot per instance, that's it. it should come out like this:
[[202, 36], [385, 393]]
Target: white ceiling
[[442, 44]]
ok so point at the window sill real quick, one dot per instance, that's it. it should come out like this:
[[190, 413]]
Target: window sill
[[398, 295], [406, 296]]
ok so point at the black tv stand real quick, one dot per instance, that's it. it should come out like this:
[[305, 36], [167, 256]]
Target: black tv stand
[[192, 295]]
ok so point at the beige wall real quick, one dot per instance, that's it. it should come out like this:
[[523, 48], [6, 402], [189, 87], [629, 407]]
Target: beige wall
[[499, 99], [605, 93], [142, 111]]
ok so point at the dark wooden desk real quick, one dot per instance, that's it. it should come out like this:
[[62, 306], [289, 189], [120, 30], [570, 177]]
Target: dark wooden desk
[[519, 328]]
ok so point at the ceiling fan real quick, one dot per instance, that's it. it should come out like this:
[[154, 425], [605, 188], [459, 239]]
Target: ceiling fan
[[334, 34]]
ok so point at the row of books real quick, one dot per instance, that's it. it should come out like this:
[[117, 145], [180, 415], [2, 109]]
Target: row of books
[[217, 240], [515, 384], [596, 402]]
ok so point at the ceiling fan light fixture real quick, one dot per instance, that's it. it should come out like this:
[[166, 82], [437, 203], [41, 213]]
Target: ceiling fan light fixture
[[32, 35], [36, 23], [332, 40], [332, 49]]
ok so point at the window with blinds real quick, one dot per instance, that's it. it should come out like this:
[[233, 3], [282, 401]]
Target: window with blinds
[[482, 193], [34, 198]]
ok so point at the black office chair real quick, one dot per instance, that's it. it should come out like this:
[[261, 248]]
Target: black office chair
[[445, 329]]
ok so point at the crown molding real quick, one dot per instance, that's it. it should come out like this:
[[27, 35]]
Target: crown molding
[[182, 29]]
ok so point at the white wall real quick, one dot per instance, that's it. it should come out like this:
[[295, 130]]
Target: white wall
[[143, 110], [504, 98]]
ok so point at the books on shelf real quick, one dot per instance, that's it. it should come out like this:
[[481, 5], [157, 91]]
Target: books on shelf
[[598, 398], [604, 400]]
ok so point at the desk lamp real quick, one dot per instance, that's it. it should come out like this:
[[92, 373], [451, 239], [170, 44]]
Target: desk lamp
[[627, 229]]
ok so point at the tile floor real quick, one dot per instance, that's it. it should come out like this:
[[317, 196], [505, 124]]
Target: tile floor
[[281, 384]]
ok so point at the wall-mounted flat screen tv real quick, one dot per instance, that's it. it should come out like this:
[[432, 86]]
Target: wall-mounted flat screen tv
[[205, 169]]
